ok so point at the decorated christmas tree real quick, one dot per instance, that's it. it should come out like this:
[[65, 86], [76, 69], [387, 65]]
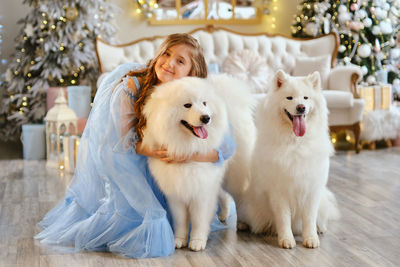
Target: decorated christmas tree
[[366, 28], [2, 60], [55, 47]]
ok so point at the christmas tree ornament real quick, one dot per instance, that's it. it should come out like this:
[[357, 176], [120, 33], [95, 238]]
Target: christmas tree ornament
[[354, 7], [367, 22], [371, 80], [344, 17], [395, 53], [71, 12], [342, 48], [386, 27], [364, 50], [364, 70], [326, 26], [342, 9], [377, 46], [376, 30], [29, 31], [312, 29]]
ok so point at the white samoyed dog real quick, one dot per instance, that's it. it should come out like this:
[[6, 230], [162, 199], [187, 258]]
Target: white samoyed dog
[[188, 116], [290, 165]]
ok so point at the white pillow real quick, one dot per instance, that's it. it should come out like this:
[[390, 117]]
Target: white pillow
[[248, 66], [307, 65]]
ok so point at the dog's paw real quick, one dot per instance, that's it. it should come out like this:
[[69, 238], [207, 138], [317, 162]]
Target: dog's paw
[[180, 242], [241, 226], [287, 242], [321, 229], [223, 215], [197, 244], [311, 241]]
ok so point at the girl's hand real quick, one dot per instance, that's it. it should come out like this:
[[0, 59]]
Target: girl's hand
[[174, 158], [162, 154], [209, 157]]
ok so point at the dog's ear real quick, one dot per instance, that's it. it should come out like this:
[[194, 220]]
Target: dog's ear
[[280, 79], [315, 80]]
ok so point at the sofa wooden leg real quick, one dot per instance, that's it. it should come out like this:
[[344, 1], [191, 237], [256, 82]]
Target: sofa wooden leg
[[372, 145], [388, 143], [357, 131]]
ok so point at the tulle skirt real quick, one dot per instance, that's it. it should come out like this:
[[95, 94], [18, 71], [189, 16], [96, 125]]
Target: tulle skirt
[[112, 203]]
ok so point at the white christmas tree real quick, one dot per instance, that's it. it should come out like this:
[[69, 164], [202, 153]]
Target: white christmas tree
[[55, 47], [366, 28]]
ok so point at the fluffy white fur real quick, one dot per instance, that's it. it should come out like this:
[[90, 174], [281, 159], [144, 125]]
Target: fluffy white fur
[[288, 192], [192, 188]]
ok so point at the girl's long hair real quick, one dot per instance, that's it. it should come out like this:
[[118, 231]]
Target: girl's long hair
[[149, 77]]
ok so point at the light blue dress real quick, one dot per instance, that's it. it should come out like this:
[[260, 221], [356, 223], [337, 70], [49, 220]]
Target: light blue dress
[[112, 203]]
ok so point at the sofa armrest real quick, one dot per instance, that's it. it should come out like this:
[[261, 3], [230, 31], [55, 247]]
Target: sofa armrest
[[345, 78], [338, 99]]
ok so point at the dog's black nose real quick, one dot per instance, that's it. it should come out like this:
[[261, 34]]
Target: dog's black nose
[[300, 108], [205, 118]]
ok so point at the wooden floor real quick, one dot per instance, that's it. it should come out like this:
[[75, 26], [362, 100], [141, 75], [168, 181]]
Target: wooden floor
[[367, 187]]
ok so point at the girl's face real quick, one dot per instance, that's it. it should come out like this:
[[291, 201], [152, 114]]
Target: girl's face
[[175, 63]]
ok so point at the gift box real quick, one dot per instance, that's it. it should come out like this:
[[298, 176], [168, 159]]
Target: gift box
[[51, 95], [34, 141], [79, 100], [377, 97]]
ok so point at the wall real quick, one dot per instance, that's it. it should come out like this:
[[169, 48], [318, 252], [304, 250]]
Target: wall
[[132, 26], [10, 12]]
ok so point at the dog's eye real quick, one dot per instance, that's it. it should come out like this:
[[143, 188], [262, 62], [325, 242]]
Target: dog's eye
[[306, 97], [289, 98], [205, 103], [188, 105]]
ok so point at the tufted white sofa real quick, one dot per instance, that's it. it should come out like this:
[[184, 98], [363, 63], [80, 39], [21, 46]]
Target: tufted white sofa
[[279, 52]]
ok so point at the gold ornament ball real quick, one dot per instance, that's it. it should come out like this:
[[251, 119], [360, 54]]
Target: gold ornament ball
[[71, 13]]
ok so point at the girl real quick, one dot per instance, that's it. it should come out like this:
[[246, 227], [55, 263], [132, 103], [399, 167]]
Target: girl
[[112, 203]]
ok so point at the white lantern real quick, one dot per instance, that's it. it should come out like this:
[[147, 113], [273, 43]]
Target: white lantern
[[61, 121]]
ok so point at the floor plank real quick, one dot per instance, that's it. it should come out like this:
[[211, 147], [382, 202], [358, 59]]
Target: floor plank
[[367, 187]]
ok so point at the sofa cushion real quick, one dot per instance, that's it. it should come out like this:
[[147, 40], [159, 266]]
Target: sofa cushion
[[307, 65], [248, 66], [338, 99]]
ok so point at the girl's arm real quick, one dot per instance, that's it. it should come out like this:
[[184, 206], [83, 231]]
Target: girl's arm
[[162, 154], [224, 152], [127, 105]]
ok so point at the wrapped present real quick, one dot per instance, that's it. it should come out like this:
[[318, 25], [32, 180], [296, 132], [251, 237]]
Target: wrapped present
[[79, 100], [34, 141], [377, 97], [51, 95]]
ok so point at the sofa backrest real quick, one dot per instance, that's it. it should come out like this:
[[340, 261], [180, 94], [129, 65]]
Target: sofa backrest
[[218, 43]]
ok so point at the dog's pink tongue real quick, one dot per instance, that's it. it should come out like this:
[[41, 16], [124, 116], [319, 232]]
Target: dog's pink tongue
[[299, 125], [201, 132]]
